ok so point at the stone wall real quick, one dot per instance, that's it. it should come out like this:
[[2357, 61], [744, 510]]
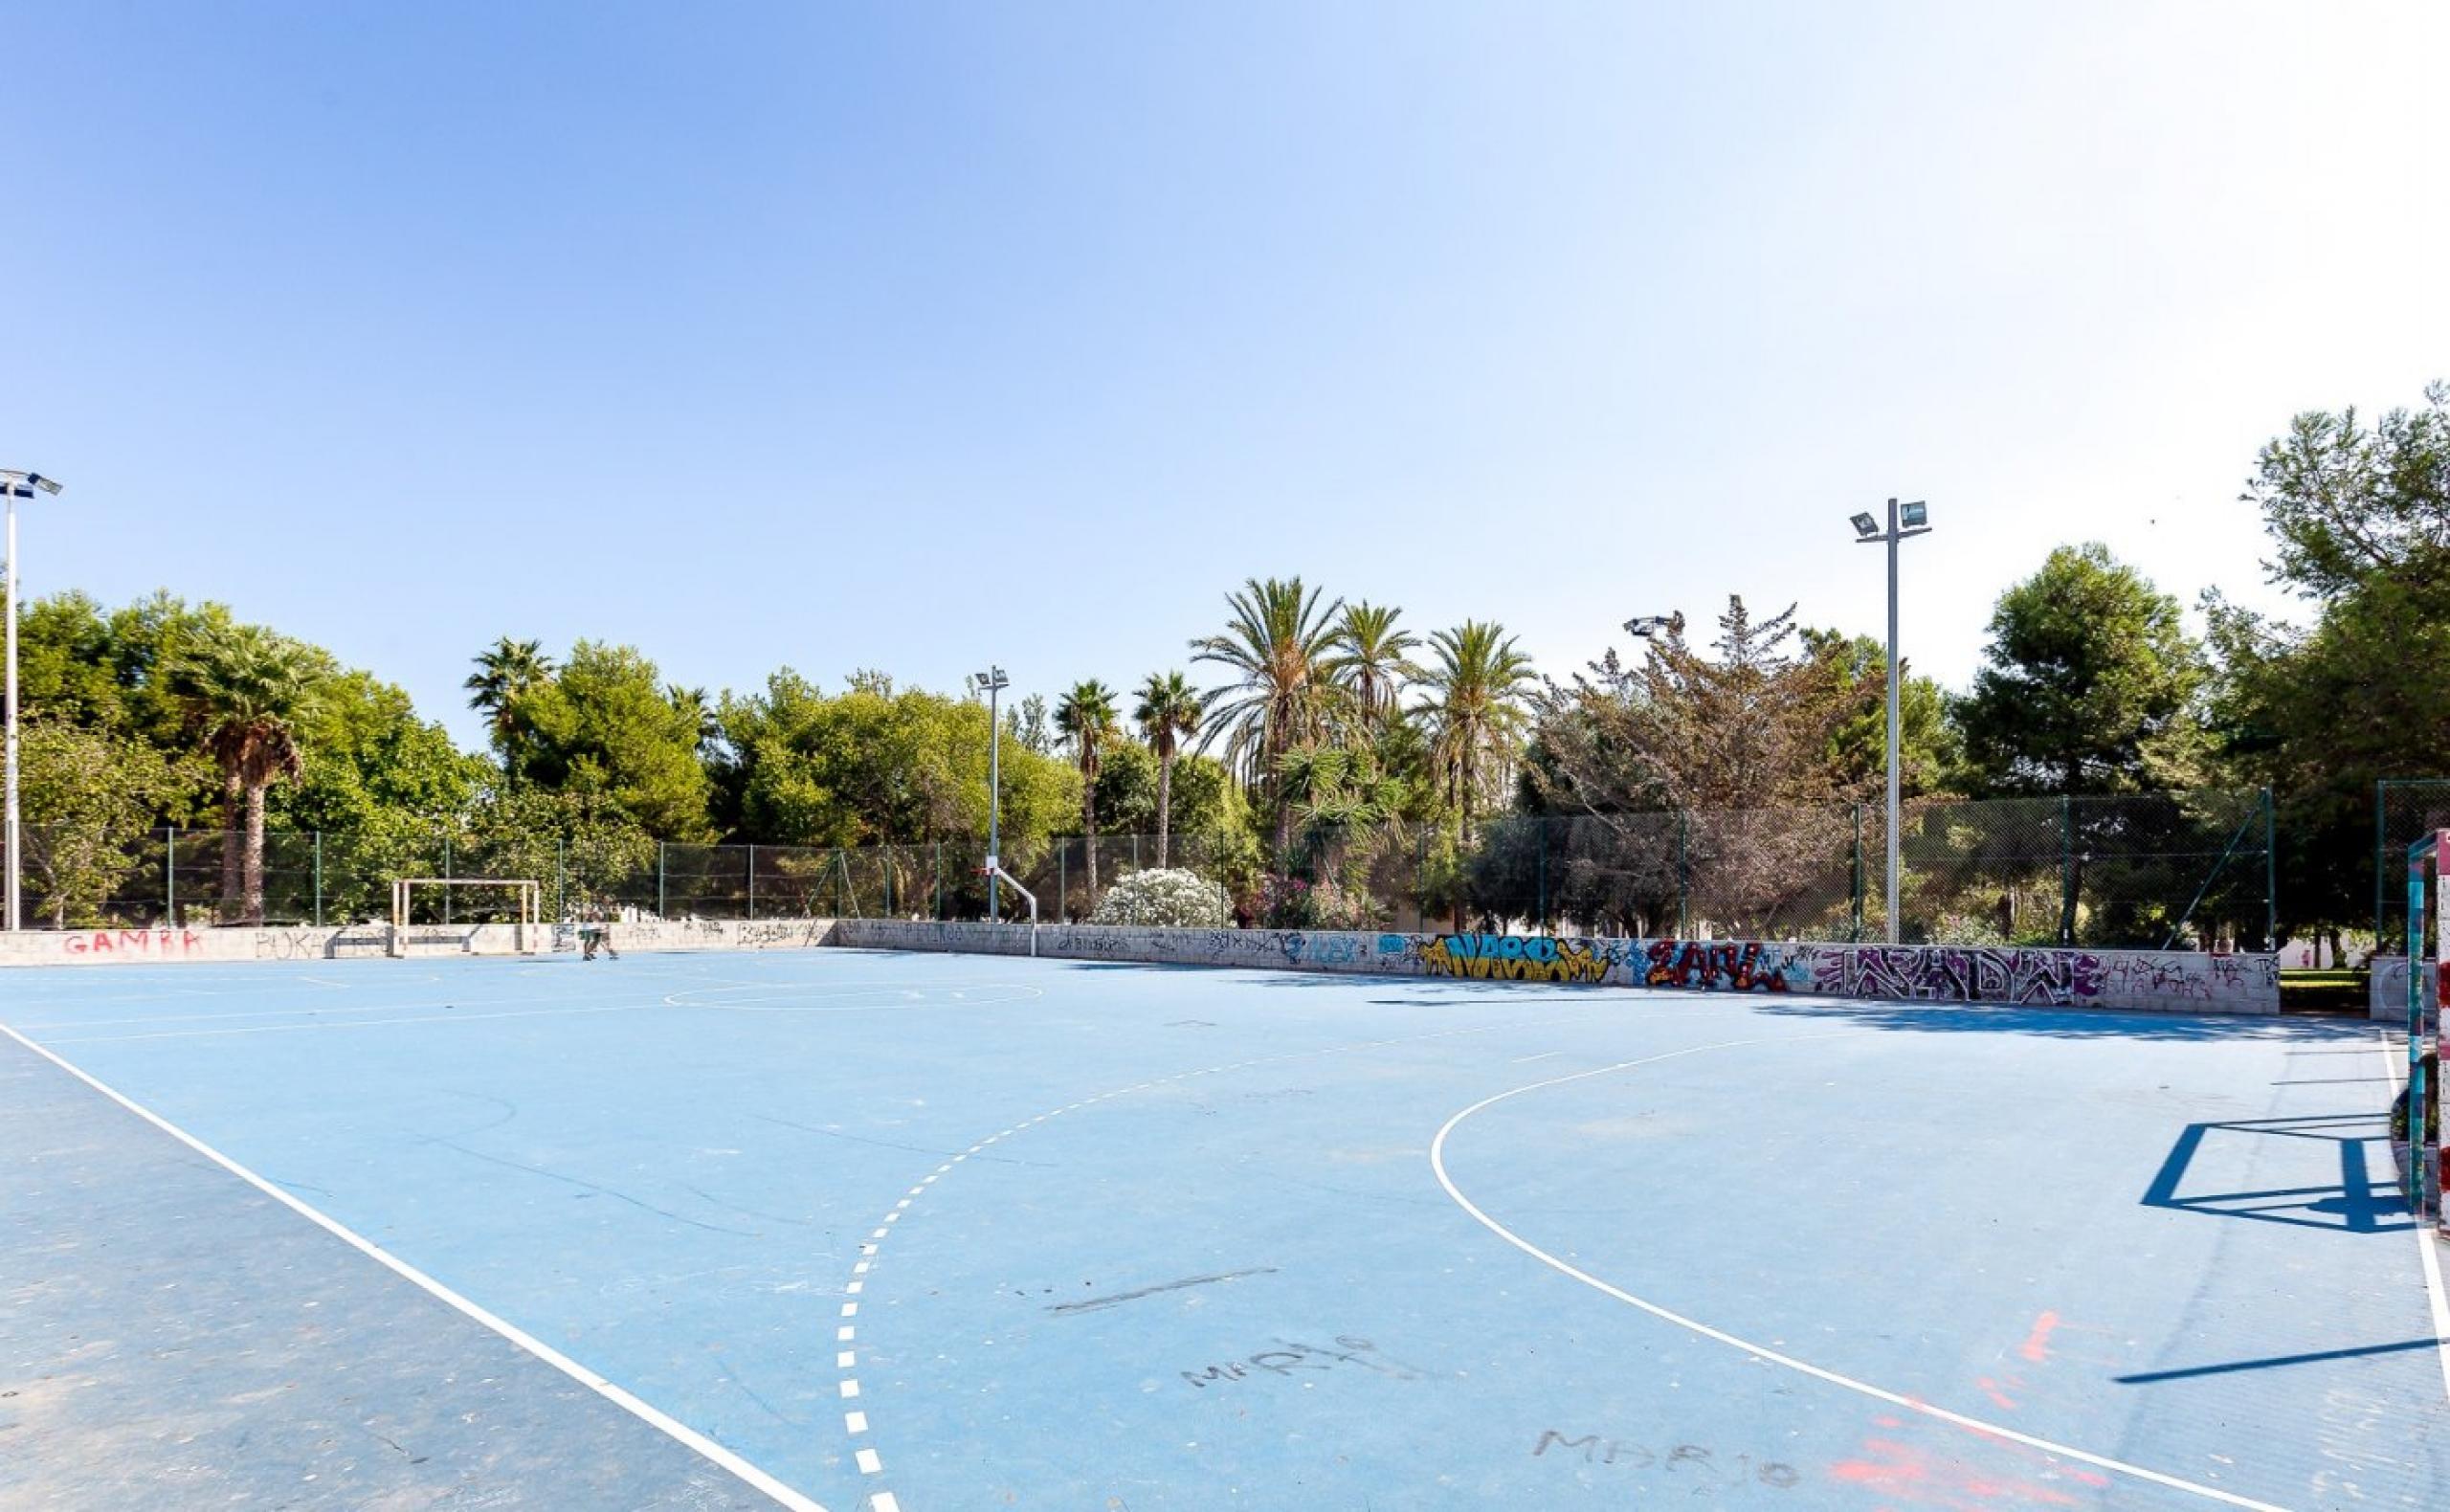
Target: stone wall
[[2178, 981]]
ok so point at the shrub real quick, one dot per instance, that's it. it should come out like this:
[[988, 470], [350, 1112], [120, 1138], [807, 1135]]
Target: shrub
[[1169, 899]]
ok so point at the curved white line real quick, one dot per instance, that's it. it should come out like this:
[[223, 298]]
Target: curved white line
[[1437, 1165]]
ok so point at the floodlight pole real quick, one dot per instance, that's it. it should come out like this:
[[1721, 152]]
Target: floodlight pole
[[996, 682], [15, 832], [1890, 537], [14, 486]]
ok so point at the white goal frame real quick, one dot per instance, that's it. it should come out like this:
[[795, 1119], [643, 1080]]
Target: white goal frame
[[524, 932]]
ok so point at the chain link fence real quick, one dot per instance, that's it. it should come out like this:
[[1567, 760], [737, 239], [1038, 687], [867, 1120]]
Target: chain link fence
[[2153, 871], [2405, 810]]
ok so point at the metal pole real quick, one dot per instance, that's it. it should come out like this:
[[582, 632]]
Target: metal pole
[[658, 879], [1893, 789], [994, 792], [15, 832], [319, 878], [2271, 879], [2381, 853], [171, 878], [752, 881]]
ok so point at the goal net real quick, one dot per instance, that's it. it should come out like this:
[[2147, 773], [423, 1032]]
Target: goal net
[[516, 903], [2428, 988]]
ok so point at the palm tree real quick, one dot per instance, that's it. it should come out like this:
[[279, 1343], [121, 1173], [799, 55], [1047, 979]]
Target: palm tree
[[248, 690], [695, 713], [505, 673], [1475, 710], [1086, 719], [1370, 659], [1168, 709], [1278, 646]]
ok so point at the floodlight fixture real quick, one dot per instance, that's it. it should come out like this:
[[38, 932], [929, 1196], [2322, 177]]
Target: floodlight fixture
[[1866, 527], [1916, 516], [1647, 626]]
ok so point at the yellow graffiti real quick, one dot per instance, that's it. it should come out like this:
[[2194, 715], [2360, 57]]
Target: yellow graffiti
[[1513, 958]]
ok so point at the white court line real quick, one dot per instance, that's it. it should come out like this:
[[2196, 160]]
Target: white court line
[[1541, 1055], [343, 1023], [1437, 1165], [2395, 1057], [671, 1427]]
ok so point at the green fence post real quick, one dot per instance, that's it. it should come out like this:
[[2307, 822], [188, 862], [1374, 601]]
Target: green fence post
[[939, 880], [752, 881], [1855, 878], [658, 879], [2381, 860], [319, 878], [1063, 877], [171, 878], [1544, 875], [2066, 870], [561, 890], [884, 865], [2271, 878], [446, 877], [1683, 874]]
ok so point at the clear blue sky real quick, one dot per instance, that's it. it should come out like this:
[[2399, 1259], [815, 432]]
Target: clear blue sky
[[909, 336]]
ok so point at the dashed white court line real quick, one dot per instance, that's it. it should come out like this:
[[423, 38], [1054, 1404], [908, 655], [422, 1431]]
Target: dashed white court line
[[663, 1422], [2428, 1246], [856, 1423], [1524, 1060], [1897, 1399]]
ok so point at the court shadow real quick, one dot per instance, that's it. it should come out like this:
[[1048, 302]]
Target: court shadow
[[2058, 1023], [2360, 1203]]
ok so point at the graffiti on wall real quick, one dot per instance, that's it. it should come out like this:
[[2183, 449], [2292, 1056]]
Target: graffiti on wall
[[1975, 974], [130, 941], [1515, 958], [1727, 966]]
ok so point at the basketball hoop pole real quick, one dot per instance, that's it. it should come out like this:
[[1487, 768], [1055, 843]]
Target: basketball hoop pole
[[994, 869]]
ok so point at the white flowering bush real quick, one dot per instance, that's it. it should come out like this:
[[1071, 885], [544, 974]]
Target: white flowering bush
[[1169, 899]]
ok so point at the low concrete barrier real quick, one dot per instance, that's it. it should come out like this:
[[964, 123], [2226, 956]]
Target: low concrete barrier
[[342, 941], [2176, 981], [2158, 980]]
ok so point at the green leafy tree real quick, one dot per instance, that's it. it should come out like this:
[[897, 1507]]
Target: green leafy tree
[[1086, 719], [797, 767], [89, 799], [384, 789], [604, 727], [2092, 684], [506, 673], [2359, 514], [1929, 750], [250, 691], [1278, 648], [1168, 711]]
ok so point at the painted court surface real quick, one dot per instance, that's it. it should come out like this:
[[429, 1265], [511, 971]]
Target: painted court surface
[[936, 1233]]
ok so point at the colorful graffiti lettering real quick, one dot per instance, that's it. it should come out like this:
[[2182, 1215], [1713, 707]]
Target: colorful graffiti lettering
[[1721, 967], [1514, 958]]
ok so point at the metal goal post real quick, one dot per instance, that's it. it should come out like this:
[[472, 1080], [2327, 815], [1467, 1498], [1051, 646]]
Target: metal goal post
[[528, 895], [2428, 988]]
